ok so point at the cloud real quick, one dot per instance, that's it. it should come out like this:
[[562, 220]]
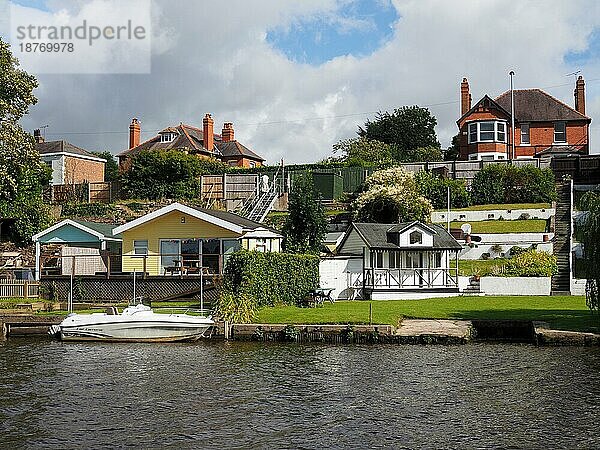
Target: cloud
[[214, 57]]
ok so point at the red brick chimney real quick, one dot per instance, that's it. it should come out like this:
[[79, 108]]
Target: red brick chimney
[[580, 95], [37, 135], [134, 133], [227, 132], [465, 97], [208, 132]]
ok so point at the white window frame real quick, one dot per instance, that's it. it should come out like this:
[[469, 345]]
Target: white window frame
[[564, 124], [142, 245], [528, 134], [168, 137], [499, 128]]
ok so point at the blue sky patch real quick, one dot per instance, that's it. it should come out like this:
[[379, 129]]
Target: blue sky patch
[[36, 4], [576, 59], [357, 27]]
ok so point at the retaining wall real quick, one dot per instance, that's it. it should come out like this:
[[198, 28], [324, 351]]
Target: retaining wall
[[492, 214], [515, 285]]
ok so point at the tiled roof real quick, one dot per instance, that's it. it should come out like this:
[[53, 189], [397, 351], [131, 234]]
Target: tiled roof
[[62, 147], [234, 148], [534, 105], [375, 235], [190, 138]]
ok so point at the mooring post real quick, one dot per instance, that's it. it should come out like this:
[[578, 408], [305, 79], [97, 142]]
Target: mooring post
[[226, 329], [3, 331]]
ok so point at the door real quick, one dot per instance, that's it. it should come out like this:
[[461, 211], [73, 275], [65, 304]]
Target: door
[[169, 254]]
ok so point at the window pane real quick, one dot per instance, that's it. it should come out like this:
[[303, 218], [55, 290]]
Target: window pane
[[501, 136], [211, 247], [190, 251], [140, 247], [560, 134], [486, 136], [486, 126], [525, 133], [501, 126], [472, 132]]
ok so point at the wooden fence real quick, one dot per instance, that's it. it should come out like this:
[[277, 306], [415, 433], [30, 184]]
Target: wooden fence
[[19, 289], [101, 192], [230, 190]]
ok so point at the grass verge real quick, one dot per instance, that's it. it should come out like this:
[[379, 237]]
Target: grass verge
[[505, 226], [561, 312]]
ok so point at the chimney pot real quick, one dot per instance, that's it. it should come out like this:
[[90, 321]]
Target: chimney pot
[[134, 133], [580, 95], [227, 133], [465, 97], [37, 135], [208, 132]]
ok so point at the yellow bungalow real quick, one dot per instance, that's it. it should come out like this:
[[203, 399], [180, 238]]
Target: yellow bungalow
[[185, 239]]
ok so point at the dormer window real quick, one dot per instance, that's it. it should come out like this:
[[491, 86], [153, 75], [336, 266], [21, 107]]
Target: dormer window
[[167, 137], [416, 237]]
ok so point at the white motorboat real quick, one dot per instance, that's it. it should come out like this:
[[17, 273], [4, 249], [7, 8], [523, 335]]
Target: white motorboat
[[135, 324]]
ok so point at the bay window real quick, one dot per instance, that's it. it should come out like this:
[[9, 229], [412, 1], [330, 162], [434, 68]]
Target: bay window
[[487, 131]]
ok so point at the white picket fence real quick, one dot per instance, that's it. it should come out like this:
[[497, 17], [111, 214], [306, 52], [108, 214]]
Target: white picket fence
[[19, 289]]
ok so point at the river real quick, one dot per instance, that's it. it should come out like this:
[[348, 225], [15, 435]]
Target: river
[[256, 395]]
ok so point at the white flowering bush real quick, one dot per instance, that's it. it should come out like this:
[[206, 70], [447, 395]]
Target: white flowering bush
[[391, 196]]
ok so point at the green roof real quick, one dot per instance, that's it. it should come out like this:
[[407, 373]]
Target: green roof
[[103, 228]]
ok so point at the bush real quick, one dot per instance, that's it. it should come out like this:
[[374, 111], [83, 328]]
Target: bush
[[501, 183], [391, 196], [159, 174], [516, 250], [265, 279], [435, 189], [531, 264], [236, 307], [87, 210]]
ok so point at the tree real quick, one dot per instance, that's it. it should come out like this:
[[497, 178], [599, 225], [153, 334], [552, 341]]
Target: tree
[[435, 188], [391, 196], [453, 152], [591, 248], [407, 129], [22, 174], [363, 152], [159, 174], [111, 169], [306, 224]]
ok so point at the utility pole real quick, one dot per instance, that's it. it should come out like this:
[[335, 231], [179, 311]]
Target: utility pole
[[512, 115]]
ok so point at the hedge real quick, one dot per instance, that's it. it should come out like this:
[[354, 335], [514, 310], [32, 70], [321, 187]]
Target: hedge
[[499, 183], [253, 279]]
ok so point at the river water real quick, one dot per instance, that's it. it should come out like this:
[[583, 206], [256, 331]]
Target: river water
[[256, 395]]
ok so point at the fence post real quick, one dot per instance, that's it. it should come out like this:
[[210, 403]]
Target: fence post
[[26, 289], [144, 276], [107, 265]]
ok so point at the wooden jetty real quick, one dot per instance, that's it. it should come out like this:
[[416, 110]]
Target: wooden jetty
[[26, 324]]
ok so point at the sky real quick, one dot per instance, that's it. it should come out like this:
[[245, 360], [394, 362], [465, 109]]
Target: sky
[[295, 77]]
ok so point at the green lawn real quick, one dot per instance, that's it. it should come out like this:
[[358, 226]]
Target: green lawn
[[505, 226], [481, 267], [564, 313], [502, 206]]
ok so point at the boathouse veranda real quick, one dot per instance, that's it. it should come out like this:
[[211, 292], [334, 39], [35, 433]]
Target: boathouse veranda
[[391, 261]]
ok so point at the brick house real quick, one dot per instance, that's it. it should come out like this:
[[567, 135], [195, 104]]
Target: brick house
[[202, 142], [69, 163], [544, 126]]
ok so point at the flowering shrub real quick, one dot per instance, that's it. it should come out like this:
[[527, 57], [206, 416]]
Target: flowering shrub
[[391, 196], [531, 264]]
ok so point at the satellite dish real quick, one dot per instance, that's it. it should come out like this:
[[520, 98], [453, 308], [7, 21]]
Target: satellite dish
[[466, 228]]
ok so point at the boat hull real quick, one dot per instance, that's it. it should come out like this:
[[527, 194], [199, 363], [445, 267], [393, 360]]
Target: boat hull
[[134, 325]]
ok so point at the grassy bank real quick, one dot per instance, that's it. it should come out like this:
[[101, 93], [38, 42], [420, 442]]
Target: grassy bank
[[505, 226], [482, 267], [503, 206], [563, 313]]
